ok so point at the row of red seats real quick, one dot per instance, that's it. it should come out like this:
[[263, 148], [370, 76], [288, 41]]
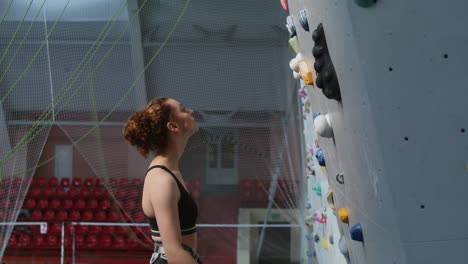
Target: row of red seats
[[43, 182], [60, 192], [66, 204], [73, 215], [89, 241]]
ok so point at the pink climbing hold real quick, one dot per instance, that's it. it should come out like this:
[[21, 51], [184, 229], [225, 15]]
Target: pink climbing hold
[[284, 4]]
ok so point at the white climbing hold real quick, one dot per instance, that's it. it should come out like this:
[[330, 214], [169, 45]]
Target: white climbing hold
[[323, 126]]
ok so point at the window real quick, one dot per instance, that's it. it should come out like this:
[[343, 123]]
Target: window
[[222, 158]]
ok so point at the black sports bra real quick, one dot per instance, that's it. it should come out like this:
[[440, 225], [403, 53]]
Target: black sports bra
[[188, 210]]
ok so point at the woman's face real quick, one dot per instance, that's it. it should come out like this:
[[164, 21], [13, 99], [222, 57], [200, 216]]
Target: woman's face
[[183, 117]]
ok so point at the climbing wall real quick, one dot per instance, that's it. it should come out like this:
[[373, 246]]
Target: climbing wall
[[386, 88]]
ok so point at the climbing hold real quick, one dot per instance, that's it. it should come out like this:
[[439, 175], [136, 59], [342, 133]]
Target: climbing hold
[[343, 246], [320, 157], [303, 20], [343, 214], [294, 63], [308, 254], [296, 75], [291, 26], [325, 244], [330, 199], [305, 72], [317, 189], [316, 238], [307, 236], [308, 206], [303, 92], [356, 233], [326, 74], [331, 239], [317, 144], [364, 3], [323, 126], [284, 4], [313, 117], [293, 43], [340, 178]]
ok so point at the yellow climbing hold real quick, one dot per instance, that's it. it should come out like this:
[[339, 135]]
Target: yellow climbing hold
[[343, 214], [293, 44]]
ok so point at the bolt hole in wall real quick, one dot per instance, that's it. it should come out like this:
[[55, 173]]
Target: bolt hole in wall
[[406, 138], [462, 130], [390, 69], [422, 206], [445, 56]]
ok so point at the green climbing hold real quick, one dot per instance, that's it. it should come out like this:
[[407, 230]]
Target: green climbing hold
[[364, 3]]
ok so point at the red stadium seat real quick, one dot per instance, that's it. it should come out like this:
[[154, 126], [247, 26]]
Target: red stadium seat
[[62, 215], [67, 204], [113, 182], [35, 192], [30, 203], [84, 193], [105, 240], [53, 182], [76, 182], [24, 240], [100, 216], [49, 215], [74, 215], [131, 205], [134, 194], [119, 242], [51, 240], [137, 182], [105, 204], [36, 215], [79, 240], [88, 182], [48, 192], [41, 181], [109, 229], [113, 216], [95, 229], [12, 241], [92, 204], [82, 229], [73, 193], [91, 241], [87, 216], [132, 243], [96, 192], [196, 183], [99, 182], [80, 204], [60, 192], [124, 182], [54, 204], [55, 228], [39, 240], [65, 182], [42, 203]]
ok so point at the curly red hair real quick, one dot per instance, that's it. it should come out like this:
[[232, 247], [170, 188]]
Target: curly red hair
[[146, 128]]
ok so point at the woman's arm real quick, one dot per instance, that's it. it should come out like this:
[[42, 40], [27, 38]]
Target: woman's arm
[[164, 197]]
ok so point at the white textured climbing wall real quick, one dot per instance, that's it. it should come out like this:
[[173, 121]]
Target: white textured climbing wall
[[400, 131]]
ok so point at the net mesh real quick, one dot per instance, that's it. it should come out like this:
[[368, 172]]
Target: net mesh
[[71, 72]]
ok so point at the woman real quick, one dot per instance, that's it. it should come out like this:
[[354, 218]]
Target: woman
[[164, 126]]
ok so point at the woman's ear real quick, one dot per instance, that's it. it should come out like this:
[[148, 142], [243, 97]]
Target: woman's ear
[[172, 126]]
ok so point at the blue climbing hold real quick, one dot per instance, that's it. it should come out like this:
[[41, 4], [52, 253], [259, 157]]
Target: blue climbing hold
[[315, 115], [303, 20], [320, 157], [356, 233]]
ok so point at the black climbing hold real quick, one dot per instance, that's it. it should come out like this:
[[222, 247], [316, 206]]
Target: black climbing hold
[[318, 65], [327, 79], [365, 3], [340, 178]]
